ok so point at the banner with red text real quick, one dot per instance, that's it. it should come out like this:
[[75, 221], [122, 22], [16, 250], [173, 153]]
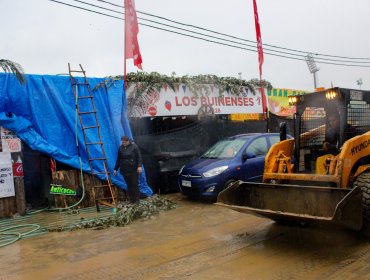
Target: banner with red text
[[278, 102], [183, 101]]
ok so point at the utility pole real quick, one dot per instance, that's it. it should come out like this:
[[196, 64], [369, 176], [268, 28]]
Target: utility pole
[[312, 67]]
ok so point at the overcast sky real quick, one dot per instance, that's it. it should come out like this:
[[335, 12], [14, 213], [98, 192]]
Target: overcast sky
[[44, 36]]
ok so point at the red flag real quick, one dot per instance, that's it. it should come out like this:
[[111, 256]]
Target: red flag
[[260, 53], [258, 35], [132, 49]]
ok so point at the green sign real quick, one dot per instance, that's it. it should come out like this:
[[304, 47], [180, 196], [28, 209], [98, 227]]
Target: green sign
[[59, 189]]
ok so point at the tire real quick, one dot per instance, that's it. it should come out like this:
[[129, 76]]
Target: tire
[[363, 181], [229, 183]]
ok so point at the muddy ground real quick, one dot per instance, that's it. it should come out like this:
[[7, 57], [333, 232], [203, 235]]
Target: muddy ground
[[195, 241]]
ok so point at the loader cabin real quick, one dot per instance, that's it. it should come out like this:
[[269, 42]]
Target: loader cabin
[[324, 121]]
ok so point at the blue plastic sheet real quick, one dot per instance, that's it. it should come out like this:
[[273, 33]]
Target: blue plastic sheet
[[43, 114]]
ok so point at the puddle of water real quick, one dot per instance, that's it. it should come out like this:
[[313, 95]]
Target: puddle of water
[[194, 241]]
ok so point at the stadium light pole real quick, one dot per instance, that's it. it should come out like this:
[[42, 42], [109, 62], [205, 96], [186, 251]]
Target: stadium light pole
[[359, 82], [312, 67]]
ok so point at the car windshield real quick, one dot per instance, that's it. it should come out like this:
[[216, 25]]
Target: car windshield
[[227, 148]]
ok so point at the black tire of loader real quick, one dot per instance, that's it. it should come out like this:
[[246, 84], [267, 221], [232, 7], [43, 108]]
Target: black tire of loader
[[363, 181]]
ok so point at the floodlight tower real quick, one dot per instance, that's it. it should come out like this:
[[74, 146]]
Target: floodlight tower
[[359, 82], [312, 67]]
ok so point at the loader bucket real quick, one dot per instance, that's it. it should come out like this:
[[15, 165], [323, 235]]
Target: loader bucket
[[309, 204]]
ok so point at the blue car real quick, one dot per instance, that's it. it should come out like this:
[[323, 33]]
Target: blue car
[[239, 157]]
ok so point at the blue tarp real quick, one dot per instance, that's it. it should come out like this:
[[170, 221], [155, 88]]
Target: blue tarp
[[43, 114]]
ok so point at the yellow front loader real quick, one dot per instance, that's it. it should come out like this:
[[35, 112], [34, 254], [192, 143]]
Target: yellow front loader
[[306, 181]]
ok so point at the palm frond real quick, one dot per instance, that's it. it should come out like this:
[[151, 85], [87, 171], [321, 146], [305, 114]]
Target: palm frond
[[199, 84], [14, 68]]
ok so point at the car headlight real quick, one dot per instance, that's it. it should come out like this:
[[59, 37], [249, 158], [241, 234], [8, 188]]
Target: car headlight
[[215, 171], [181, 169]]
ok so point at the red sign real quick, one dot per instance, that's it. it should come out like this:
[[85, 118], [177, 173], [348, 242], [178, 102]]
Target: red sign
[[17, 169], [152, 110]]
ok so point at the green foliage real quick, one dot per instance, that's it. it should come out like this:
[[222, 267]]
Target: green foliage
[[256, 83], [13, 67], [199, 84], [126, 214]]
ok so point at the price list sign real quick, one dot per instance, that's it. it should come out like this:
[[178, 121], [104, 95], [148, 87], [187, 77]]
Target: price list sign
[[6, 175]]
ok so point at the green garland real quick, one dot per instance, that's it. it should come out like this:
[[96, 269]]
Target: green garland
[[199, 84]]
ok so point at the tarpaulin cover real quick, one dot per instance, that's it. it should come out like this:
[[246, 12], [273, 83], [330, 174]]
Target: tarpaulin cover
[[43, 114]]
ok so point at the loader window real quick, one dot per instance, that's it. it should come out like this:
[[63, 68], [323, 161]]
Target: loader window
[[312, 127], [312, 136], [358, 117]]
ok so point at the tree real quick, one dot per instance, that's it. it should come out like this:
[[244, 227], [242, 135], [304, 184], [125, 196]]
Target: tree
[[13, 67]]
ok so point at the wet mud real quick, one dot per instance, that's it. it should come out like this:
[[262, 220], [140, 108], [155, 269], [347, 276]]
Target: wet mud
[[194, 241]]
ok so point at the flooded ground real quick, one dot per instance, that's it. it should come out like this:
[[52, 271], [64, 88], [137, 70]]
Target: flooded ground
[[194, 241]]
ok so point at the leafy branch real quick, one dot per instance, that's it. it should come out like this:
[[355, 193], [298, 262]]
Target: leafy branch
[[199, 84], [13, 67]]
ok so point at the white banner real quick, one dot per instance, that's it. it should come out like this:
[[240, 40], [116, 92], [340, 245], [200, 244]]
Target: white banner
[[184, 102], [6, 175]]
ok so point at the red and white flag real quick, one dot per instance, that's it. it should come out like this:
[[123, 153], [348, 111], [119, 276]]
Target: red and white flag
[[132, 49], [260, 53], [258, 35]]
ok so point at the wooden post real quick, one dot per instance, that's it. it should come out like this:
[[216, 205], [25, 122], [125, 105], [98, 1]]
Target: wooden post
[[20, 197]]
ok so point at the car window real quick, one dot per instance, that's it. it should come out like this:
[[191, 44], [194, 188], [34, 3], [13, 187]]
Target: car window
[[258, 147], [274, 139], [227, 148]]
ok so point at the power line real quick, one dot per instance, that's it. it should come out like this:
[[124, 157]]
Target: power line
[[210, 36], [92, 11], [234, 37], [207, 40], [191, 31], [100, 7], [195, 32], [110, 3]]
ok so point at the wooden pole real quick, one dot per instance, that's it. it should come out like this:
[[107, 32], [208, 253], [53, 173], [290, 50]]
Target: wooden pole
[[20, 197]]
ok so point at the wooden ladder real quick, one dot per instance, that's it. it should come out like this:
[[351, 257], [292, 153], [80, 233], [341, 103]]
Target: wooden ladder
[[104, 193]]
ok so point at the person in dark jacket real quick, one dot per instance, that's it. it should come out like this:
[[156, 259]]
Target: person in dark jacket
[[332, 133], [129, 163]]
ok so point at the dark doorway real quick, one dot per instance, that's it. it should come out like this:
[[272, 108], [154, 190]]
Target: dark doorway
[[37, 177]]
